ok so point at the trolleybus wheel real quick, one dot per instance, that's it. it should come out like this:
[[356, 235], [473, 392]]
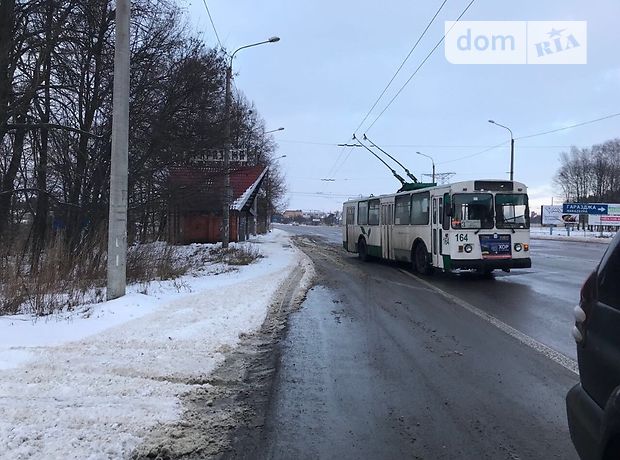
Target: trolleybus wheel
[[422, 264]]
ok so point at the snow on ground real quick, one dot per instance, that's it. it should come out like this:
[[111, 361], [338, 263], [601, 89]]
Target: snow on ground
[[561, 233], [89, 385]]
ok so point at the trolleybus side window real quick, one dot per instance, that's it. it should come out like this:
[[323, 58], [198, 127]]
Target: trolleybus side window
[[402, 210], [350, 215], [419, 208], [440, 209], [446, 211], [373, 212], [362, 213], [473, 210]]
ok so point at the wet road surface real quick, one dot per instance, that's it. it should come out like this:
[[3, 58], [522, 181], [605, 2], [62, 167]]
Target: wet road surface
[[538, 301], [378, 365]]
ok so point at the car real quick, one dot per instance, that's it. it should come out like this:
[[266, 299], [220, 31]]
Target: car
[[593, 405]]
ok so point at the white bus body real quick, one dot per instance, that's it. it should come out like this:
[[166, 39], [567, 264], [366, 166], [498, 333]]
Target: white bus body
[[473, 225]]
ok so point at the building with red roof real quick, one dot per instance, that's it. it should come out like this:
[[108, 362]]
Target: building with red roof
[[195, 201]]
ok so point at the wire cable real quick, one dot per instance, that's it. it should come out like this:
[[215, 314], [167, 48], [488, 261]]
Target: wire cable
[[402, 65], [564, 128], [529, 136], [420, 66], [212, 23]]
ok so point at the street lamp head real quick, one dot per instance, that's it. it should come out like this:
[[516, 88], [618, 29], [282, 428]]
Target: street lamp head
[[273, 39], [419, 153], [280, 129], [491, 121]]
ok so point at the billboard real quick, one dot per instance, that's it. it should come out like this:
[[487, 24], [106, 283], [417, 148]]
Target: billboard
[[610, 221], [555, 215]]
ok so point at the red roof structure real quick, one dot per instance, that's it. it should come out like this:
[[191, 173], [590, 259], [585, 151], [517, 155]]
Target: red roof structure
[[195, 201], [196, 188]]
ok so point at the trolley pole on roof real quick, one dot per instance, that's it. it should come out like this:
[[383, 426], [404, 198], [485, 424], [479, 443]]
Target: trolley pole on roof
[[117, 228], [394, 173]]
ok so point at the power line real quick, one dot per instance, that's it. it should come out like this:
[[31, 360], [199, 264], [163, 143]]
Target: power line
[[569, 127], [438, 146], [336, 166], [474, 154], [420, 66], [564, 128], [401, 65], [212, 23]]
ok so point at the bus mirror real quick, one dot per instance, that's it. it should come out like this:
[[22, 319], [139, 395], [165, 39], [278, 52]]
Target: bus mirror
[[449, 210]]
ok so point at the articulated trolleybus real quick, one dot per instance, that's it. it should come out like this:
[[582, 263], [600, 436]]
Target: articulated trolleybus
[[478, 225]]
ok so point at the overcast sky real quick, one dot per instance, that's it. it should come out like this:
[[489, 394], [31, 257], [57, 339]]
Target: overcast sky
[[335, 58]]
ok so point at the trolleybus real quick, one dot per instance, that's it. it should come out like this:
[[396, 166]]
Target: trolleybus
[[478, 225]]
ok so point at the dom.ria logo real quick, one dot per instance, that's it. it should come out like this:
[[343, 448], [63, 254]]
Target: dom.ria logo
[[516, 42]]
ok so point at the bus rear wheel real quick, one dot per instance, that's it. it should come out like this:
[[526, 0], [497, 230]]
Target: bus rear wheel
[[421, 262], [362, 250]]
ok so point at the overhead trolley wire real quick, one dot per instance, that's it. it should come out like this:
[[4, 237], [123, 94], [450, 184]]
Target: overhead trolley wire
[[420, 66], [338, 163], [212, 23], [402, 64]]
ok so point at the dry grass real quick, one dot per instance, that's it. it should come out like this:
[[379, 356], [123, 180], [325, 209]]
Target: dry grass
[[238, 254], [63, 279]]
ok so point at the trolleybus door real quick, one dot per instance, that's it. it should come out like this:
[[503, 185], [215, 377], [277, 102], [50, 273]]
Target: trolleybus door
[[387, 217], [435, 233]]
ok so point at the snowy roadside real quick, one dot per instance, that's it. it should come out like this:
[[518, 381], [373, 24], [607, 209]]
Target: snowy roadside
[[92, 385], [561, 234]]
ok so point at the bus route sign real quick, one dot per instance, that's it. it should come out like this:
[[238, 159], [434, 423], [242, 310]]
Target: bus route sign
[[585, 208]]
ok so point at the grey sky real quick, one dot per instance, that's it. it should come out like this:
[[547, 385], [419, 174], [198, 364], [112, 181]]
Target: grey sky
[[334, 59]]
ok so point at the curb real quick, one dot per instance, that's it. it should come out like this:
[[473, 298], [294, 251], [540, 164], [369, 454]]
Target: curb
[[574, 239]]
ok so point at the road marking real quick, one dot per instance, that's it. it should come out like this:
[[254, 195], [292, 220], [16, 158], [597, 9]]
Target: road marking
[[550, 353]]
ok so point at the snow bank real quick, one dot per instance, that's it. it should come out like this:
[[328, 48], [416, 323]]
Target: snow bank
[[89, 385], [561, 234]]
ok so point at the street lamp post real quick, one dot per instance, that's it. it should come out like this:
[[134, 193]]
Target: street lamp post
[[227, 110], [512, 148], [273, 131], [432, 161]]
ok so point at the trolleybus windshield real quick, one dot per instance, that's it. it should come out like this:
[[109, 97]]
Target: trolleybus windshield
[[511, 210], [472, 210]]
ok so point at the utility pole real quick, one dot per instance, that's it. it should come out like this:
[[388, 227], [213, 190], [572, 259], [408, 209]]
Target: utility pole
[[117, 228], [227, 194]]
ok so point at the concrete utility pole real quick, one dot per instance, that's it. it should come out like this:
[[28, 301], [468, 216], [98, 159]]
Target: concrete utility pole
[[227, 144], [512, 148], [117, 228]]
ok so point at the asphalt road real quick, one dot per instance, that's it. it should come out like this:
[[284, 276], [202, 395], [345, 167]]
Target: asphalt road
[[538, 302], [378, 364]]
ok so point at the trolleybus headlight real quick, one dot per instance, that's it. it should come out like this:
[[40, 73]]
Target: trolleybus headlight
[[518, 247], [468, 248]]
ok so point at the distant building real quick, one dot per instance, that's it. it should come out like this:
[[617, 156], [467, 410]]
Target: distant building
[[292, 214]]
